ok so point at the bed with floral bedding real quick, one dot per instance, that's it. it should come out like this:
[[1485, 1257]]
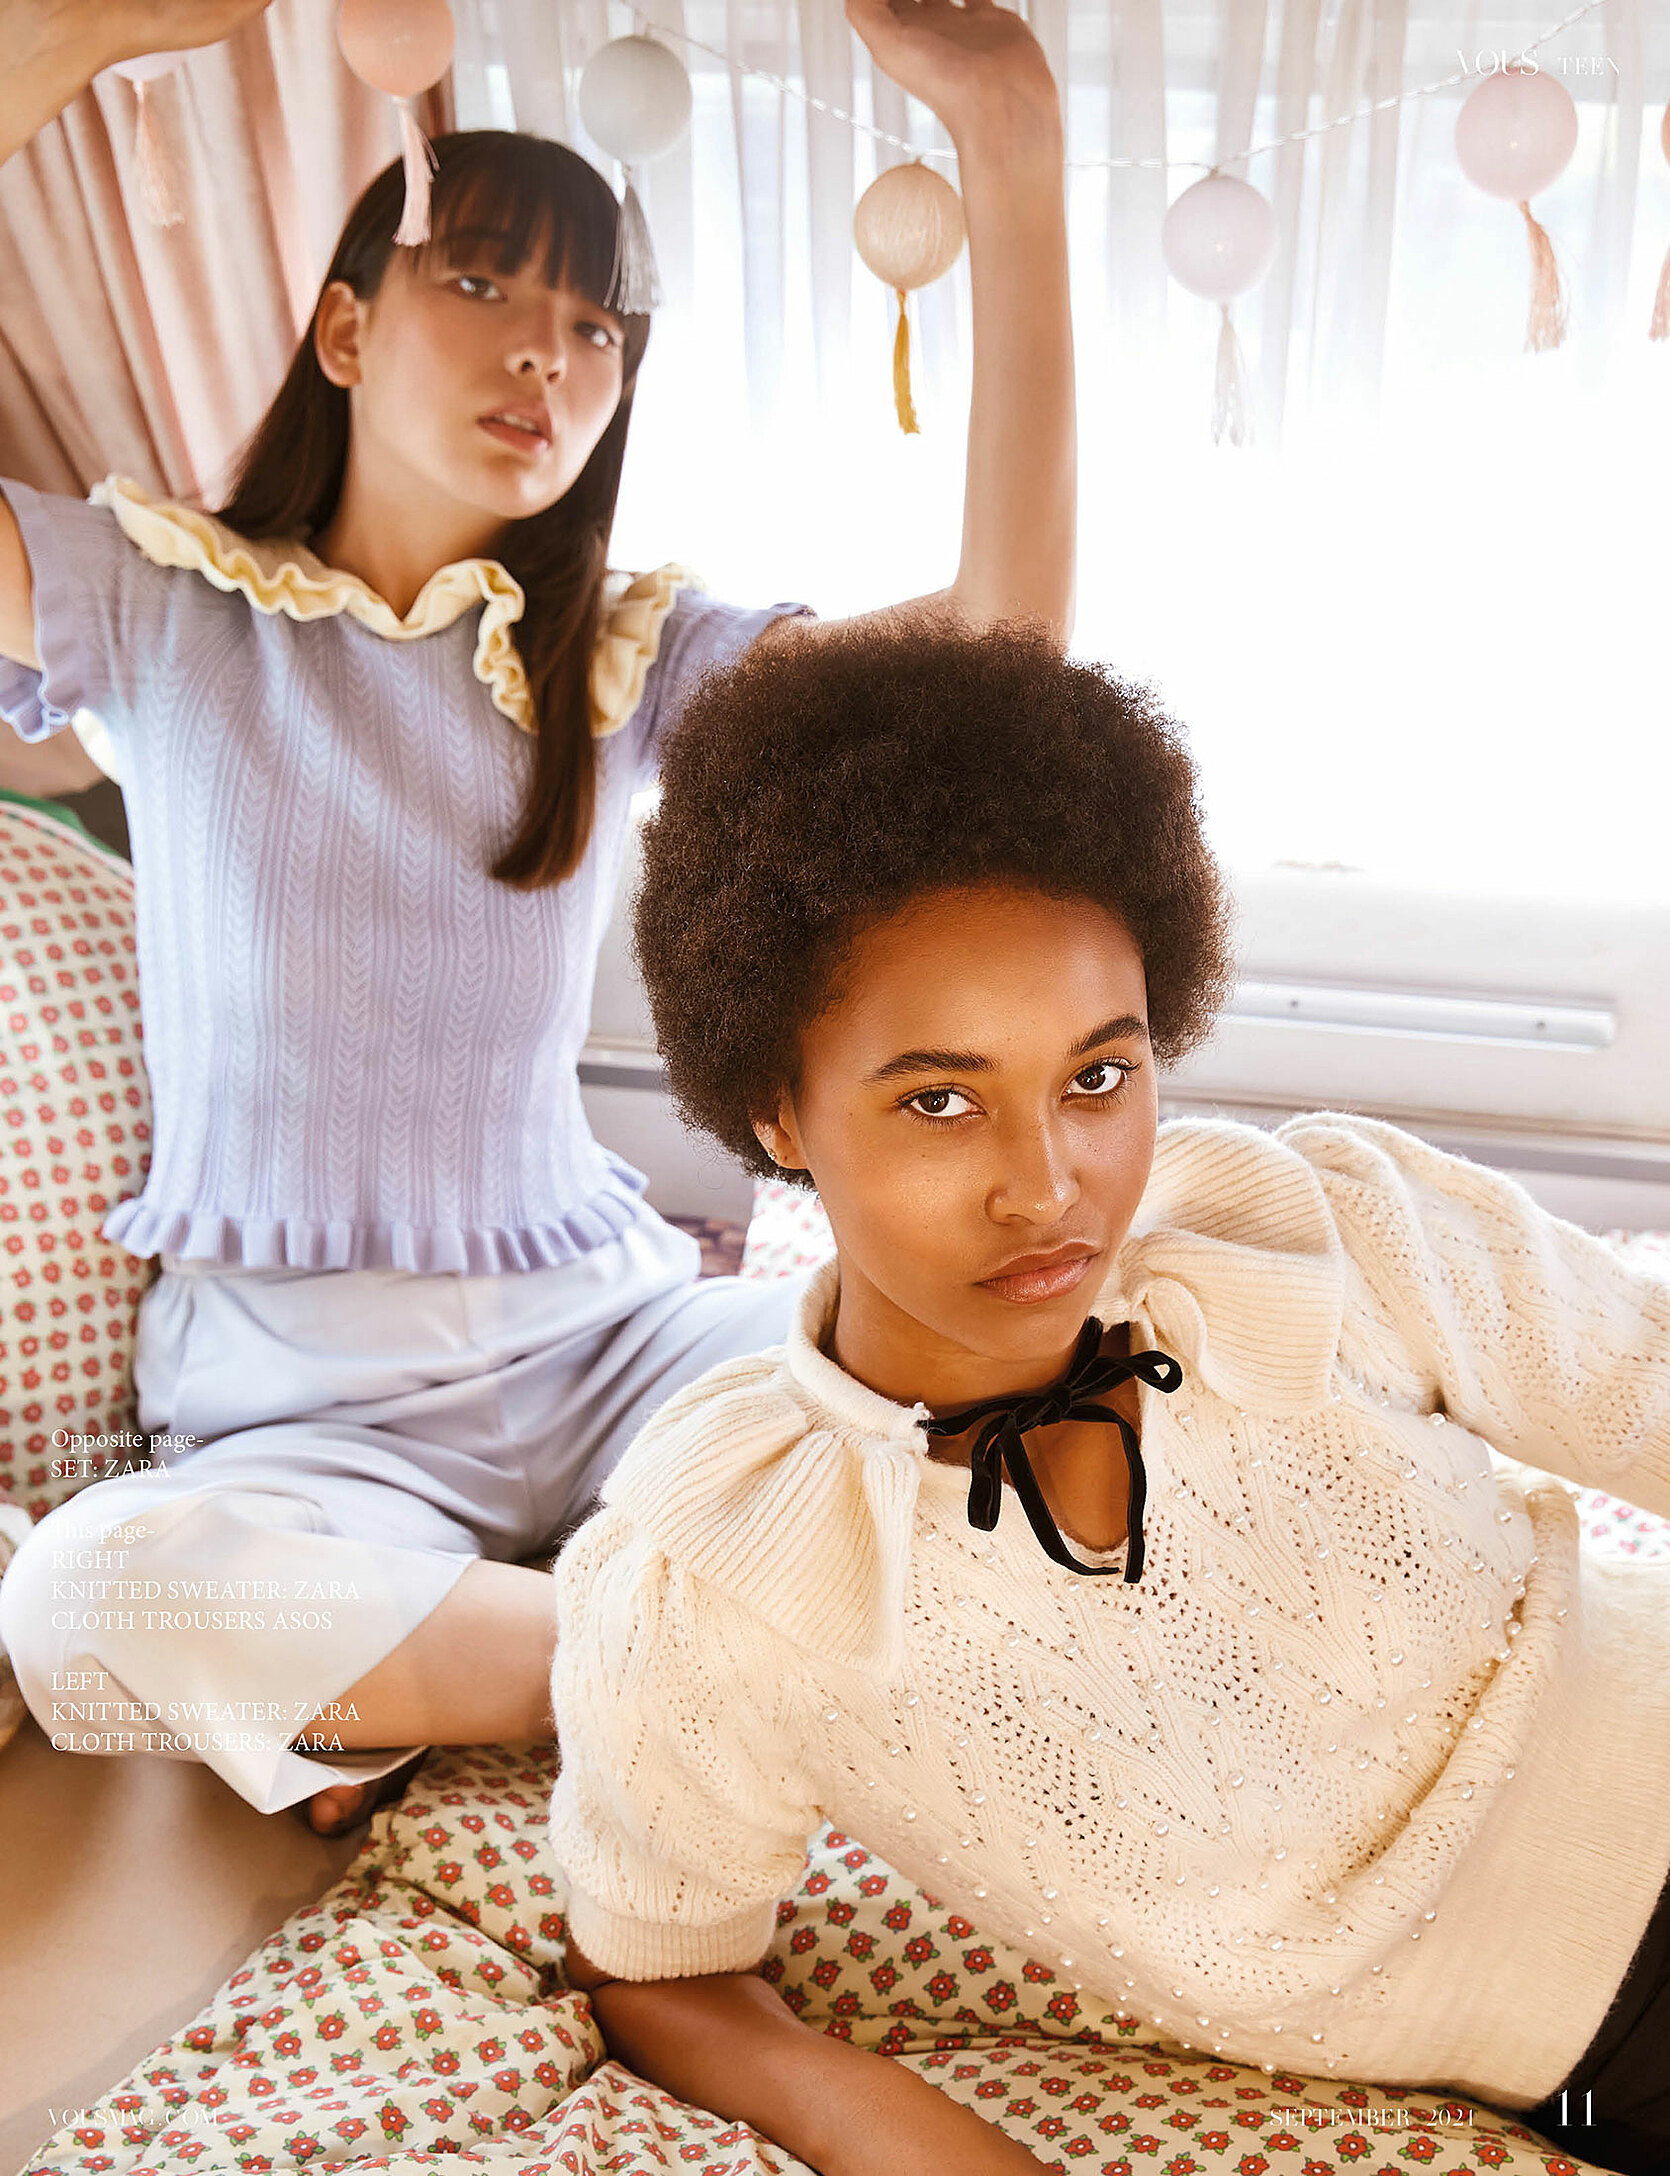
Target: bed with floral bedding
[[416, 2016]]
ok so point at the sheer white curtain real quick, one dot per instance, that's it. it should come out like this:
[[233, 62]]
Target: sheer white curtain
[[1414, 627], [1370, 214]]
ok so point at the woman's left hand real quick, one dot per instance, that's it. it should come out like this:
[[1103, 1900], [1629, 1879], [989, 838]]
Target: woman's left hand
[[976, 65]]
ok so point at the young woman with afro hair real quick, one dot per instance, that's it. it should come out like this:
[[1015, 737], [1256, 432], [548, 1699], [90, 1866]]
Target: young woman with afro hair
[[1129, 1542]]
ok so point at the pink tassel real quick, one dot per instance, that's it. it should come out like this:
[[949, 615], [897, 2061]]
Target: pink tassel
[[1229, 395], [1546, 327], [1660, 327], [156, 166], [419, 155]]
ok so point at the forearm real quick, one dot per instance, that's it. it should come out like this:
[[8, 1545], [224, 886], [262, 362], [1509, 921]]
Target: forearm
[[729, 2044], [1020, 499], [54, 48], [54, 51]]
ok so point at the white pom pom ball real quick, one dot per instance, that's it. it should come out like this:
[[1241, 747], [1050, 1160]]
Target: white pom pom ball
[[1515, 133], [634, 99], [908, 226], [1219, 238]]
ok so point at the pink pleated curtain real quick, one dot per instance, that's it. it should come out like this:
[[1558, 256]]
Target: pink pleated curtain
[[152, 350]]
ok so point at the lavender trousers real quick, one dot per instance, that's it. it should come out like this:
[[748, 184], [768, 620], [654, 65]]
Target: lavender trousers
[[343, 1443]]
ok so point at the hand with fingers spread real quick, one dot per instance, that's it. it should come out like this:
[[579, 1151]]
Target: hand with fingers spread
[[974, 64]]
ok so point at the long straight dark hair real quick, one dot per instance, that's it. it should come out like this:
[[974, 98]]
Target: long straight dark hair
[[532, 198]]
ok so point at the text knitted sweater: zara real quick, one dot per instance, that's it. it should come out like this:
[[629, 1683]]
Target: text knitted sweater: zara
[[1369, 1774]]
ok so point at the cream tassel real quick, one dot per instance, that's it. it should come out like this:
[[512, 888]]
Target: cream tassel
[[156, 163], [420, 161], [1546, 327], [1229, 395], [1660, 327]]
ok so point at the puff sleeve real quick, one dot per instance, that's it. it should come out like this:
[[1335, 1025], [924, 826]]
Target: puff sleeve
[[682, 1807], [1530, 1332]]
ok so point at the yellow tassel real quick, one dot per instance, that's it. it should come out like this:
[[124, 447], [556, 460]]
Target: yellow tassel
[[1547, 325], [901, 370], [1660, 328]]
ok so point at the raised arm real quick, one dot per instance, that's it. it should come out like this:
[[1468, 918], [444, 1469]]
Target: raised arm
[[728, 2043], [982, 71], [54, 48]]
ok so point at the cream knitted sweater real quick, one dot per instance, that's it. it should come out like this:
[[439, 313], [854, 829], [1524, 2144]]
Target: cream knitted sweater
[[1369, 1774]]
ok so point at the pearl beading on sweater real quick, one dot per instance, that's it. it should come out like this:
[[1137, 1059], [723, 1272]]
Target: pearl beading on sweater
[[1262, 1797]]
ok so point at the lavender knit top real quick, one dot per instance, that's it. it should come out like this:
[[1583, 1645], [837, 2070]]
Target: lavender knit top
[[362, 1049]]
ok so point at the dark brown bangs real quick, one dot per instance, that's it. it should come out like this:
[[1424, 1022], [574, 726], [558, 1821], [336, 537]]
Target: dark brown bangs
[[518, 202]]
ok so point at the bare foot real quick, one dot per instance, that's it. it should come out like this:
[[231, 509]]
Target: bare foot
[[342, 1807]]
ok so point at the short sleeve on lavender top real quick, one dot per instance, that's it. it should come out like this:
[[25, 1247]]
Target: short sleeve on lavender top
[[102, 615], [699, 635], [108, 621]]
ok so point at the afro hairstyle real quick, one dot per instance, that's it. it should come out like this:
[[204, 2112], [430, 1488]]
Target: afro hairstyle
[[828, 779]]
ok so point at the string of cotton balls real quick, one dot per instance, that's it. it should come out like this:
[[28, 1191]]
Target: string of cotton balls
[[1515, 135]]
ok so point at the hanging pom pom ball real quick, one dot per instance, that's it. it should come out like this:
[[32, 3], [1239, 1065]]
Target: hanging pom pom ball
[[634, 105], [909, 229], [401, 48], [1218, 240], [155, 156], [1660, 327], [1515, 135], [634, 99]]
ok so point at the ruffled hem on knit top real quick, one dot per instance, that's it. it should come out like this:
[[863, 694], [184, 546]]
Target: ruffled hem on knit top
[[426, 1250]]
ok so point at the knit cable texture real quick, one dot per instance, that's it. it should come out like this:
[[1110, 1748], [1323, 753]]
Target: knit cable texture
[[362, 1047]]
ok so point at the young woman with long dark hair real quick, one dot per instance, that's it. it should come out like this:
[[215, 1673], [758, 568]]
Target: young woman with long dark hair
[[378, 723]]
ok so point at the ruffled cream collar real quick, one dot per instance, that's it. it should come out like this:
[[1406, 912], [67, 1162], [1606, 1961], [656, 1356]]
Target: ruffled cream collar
[[281, 576]]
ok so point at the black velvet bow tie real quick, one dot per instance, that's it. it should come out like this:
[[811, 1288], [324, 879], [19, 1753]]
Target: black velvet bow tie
[[1005, 1421]]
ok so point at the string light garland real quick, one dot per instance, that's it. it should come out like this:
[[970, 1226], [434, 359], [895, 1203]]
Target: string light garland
[[1516, 131], [791, 89], [1219, 236]]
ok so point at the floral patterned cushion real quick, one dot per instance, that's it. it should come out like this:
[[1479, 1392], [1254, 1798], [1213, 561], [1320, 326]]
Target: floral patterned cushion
[[416, 2017], [74, 1138]]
